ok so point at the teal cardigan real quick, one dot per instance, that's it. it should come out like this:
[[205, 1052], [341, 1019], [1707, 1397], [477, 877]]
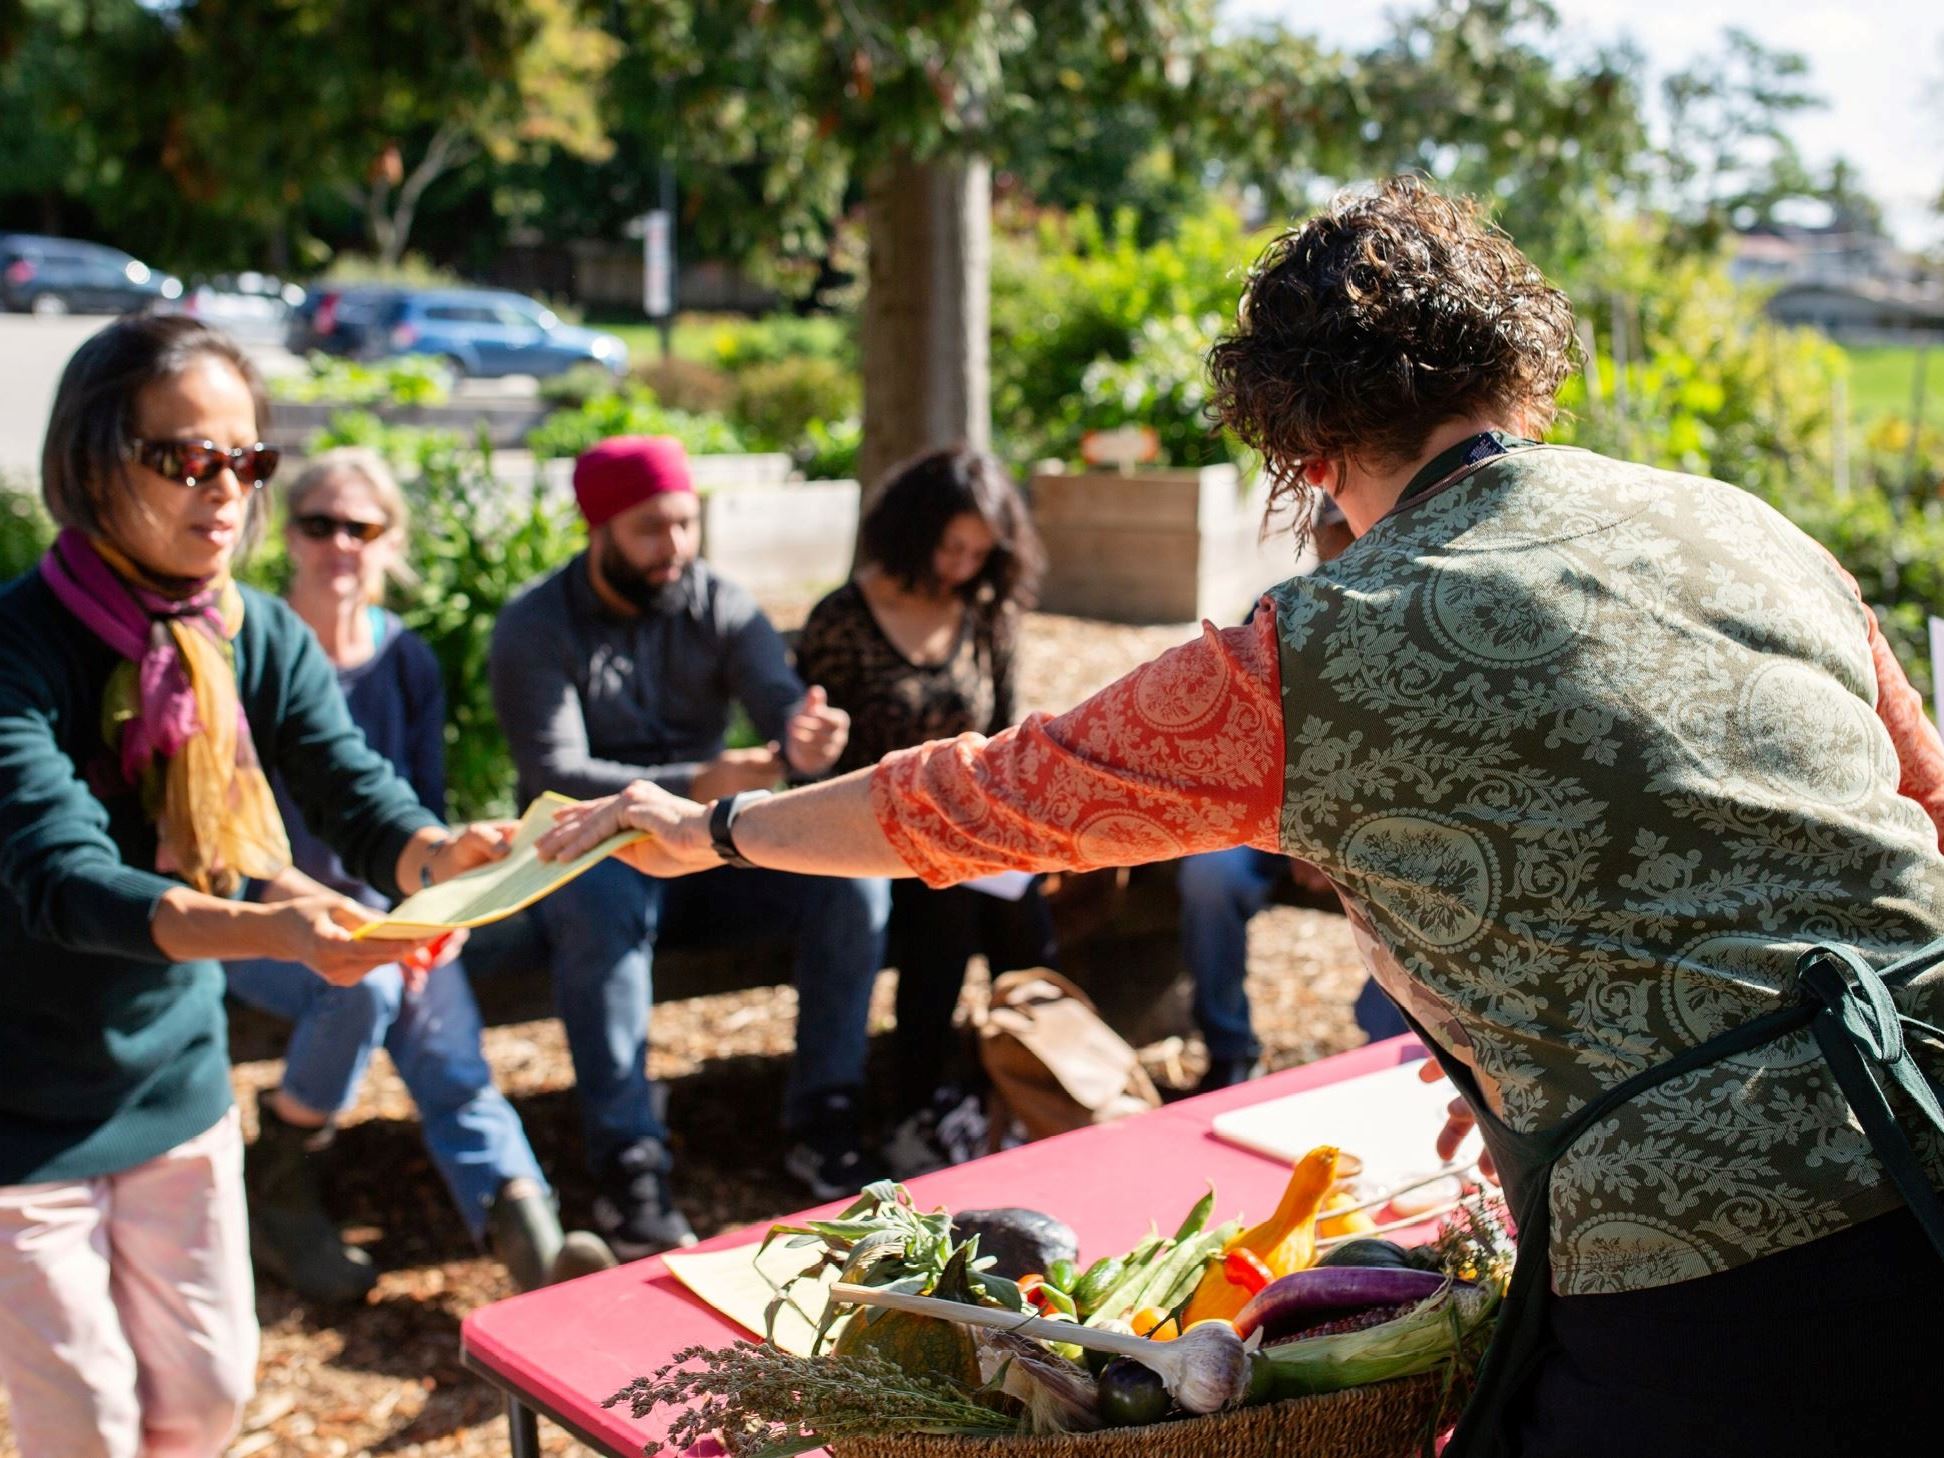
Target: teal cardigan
[[112, 1053]]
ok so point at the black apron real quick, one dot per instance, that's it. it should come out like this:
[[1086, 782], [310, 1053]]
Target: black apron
[[1847, 1007]]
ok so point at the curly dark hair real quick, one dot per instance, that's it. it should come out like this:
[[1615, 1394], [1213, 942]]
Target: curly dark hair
[[1393, 310], [918, 499]]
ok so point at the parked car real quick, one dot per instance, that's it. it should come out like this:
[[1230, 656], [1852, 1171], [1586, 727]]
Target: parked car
[[492, 332], [255, 307], [339, 319], [61, 276]]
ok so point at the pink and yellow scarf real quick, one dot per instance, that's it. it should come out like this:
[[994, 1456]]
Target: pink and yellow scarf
[[171, 712]]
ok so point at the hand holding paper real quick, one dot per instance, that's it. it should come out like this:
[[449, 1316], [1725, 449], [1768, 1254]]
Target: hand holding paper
[[499, 887]]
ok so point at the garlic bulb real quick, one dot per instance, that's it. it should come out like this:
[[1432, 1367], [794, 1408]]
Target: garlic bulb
[[1204, 1369]]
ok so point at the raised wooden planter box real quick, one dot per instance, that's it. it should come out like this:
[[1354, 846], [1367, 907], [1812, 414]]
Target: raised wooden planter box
[[1156, 545]]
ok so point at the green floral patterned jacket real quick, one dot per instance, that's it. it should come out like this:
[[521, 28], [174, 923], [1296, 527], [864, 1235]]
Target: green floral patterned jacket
[[1592, 751]]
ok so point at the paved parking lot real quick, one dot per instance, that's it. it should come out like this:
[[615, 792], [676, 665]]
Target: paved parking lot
[[32, 354]]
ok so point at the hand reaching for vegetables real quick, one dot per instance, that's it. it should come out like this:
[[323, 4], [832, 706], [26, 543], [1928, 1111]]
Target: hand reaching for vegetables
[[1459, 1121]]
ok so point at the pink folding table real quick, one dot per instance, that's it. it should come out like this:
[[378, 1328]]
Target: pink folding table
[[559, 1352]]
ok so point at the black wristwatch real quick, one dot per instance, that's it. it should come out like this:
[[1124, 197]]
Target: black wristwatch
[[722, 825]]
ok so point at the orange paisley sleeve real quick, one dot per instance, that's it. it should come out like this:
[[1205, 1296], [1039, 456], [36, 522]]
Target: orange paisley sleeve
[[1184, 754]]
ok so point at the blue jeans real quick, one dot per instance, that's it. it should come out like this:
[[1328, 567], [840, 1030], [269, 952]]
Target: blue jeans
[[471, 1131], [603, 927], [1220, 891]]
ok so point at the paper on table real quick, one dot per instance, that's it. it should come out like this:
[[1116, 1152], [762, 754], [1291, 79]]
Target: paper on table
[[490, 892], [1937, 673], [1388, 1119], [732, 1282], [1006, 885]]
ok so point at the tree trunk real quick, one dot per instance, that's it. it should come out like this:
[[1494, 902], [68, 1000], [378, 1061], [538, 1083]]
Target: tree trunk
[[926, 310]]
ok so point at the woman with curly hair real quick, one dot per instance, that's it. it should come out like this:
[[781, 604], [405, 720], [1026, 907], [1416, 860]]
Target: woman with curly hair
[[919, 646], [1634, 812]]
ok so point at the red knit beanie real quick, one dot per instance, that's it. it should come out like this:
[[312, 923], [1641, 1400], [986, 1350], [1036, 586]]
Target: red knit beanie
[[626, 471]]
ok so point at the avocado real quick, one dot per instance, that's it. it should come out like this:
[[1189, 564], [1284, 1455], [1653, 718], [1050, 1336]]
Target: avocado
[[1023, 1241]]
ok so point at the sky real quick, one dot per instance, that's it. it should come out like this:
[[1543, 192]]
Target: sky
[[1878, 63]]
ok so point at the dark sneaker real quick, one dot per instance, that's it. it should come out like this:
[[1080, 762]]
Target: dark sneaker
[[828, 1154], [1228, 1072], [634, 1212], [951, 1129]]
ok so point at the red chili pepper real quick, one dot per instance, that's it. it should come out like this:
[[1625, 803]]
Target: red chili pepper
[[1245, 1268]]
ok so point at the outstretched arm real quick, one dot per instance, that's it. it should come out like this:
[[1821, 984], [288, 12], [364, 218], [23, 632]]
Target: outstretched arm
[[1183, 754]]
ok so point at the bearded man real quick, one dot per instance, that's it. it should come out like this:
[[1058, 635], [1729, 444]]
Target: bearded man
[[623, 665]]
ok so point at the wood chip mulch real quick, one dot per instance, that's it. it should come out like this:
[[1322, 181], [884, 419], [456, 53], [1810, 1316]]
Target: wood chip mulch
[[384, 1378]]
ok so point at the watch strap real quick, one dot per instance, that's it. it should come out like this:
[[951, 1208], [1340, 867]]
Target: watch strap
[[722, 825]]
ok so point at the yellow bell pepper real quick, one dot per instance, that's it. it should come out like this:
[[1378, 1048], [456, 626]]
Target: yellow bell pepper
[[1357, 1223], [1285, 1242]]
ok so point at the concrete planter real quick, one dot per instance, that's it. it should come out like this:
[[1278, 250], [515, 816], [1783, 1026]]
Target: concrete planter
[[792, 540], [1156, 545], [506, 422]]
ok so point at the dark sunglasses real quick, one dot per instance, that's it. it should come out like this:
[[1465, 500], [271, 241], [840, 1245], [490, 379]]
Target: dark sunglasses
[[194, 461], [321, 528]]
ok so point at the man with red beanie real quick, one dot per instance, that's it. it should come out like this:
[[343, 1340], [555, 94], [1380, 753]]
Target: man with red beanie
[[623, 665]]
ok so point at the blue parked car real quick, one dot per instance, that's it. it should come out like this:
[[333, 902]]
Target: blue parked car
[[63, 275], [491, 332]]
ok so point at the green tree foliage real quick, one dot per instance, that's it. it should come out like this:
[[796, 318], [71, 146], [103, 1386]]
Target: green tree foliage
[[143, 114]]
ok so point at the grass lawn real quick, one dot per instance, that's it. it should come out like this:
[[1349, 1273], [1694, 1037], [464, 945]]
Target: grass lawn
[[1881, 379]]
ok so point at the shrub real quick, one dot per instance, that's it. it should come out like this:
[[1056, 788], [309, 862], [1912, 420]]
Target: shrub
[[576, 386], [634, 411], [412, 379], [475, 544], [734, 344], [411, 449], [687, 384], [25, 530], [776, 403], [829, 450], [1097, 326]]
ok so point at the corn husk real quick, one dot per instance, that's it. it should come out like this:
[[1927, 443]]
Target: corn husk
[[1423, 1339]]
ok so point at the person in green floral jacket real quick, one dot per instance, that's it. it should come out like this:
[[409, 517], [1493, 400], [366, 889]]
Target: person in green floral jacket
[[1633, 811]]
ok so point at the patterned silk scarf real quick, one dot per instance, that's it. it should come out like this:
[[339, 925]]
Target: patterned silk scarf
[[171, 714]]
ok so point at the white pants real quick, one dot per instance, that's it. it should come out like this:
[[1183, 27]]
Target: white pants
[[127, 1315]]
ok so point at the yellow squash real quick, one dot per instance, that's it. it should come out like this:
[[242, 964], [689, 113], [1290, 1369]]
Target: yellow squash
[[1285, 1242]]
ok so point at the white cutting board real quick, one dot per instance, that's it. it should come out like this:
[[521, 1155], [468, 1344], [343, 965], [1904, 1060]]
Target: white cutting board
[[1389, 1119]]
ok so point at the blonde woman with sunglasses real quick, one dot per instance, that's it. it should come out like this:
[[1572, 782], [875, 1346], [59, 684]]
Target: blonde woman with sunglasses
[[345, 529]]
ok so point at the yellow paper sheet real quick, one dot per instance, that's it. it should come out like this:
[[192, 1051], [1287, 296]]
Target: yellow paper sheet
[[487, 893], [732, 1282]]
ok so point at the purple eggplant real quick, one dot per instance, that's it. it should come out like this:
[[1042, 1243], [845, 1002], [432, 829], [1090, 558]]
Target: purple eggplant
[[1306, 1297]]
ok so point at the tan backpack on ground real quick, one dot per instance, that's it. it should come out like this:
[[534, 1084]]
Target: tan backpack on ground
[[1053, 1063]]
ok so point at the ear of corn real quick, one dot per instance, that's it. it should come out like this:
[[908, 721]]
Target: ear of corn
[[1420, 1340]]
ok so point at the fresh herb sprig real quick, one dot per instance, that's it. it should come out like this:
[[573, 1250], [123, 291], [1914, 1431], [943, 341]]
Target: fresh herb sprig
[[761, 1402], [882, 1239]]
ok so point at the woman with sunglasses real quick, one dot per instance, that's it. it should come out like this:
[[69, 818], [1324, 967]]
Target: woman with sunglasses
[[143, 694], [345, 528]]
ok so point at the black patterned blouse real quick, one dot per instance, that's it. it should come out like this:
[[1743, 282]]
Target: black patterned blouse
[[893, 702]]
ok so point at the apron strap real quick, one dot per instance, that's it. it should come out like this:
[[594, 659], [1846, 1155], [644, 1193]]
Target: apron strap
[[1861, 1035], [1847, 1006]]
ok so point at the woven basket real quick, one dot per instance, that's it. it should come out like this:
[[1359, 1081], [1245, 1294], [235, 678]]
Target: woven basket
[[1380, 1420]]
